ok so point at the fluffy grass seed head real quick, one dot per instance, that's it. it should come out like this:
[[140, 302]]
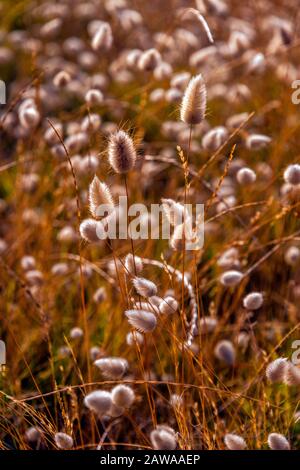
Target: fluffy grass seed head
[[28, 263], [163, 438], [103, 38], [112, 367], [134, 337], [292, 375], [176, 400], [93, 97], [278, 442], [193, 104], [149, 60], [246, 176], [133, 264], [122, 396], [292, 174], [98, 401], [100, 295], [253, 301], [231, 278], [207, 324], [234, 442], [141, 320], [276, 370], [144, 287], [76, 333], [257, 141], [168, 305], [225, 352], [92, 230], [63, 440], [214, 138], [99, 193], [33, 434], [61, 79], [121, 152], [29, 117], [292, 255]]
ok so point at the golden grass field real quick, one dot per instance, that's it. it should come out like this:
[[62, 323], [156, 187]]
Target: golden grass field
[[200, 372]]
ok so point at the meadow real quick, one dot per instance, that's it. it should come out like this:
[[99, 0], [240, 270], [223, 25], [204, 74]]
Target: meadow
[[122, 343]]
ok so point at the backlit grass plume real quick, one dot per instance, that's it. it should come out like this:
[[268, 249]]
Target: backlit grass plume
[[99, 193], [121, 152], [142, 320], [193, 104]]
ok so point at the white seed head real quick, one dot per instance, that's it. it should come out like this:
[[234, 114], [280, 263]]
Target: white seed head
[[63, 441], [76, 333], [103, 38], [133, 57], [92, 230], [231, 278], [292, 374], [214, 138], [163, 438], [292, 255], [141, 320], [257, 141], [33, 434], [67, 234], [34, 277], [149, 60], [224, 351], [91, 123], [275, 371], [292, 174], [112, 367], [133, 264], [59, 269], [61, 79], [28, 263], [193, 104], [95, 353], [121, 152], [134, 337], [176, 400], [98, 401], [93, 97], [168, 305], [163, 71], [278, 442], [122, 396], [246, 176], [180, 80], [99, 193], [297, 417], [253, 301], [29, 117], [229, 258], [234, 442], [207, 324], [100, 295], [144, 287], [203, 23]]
